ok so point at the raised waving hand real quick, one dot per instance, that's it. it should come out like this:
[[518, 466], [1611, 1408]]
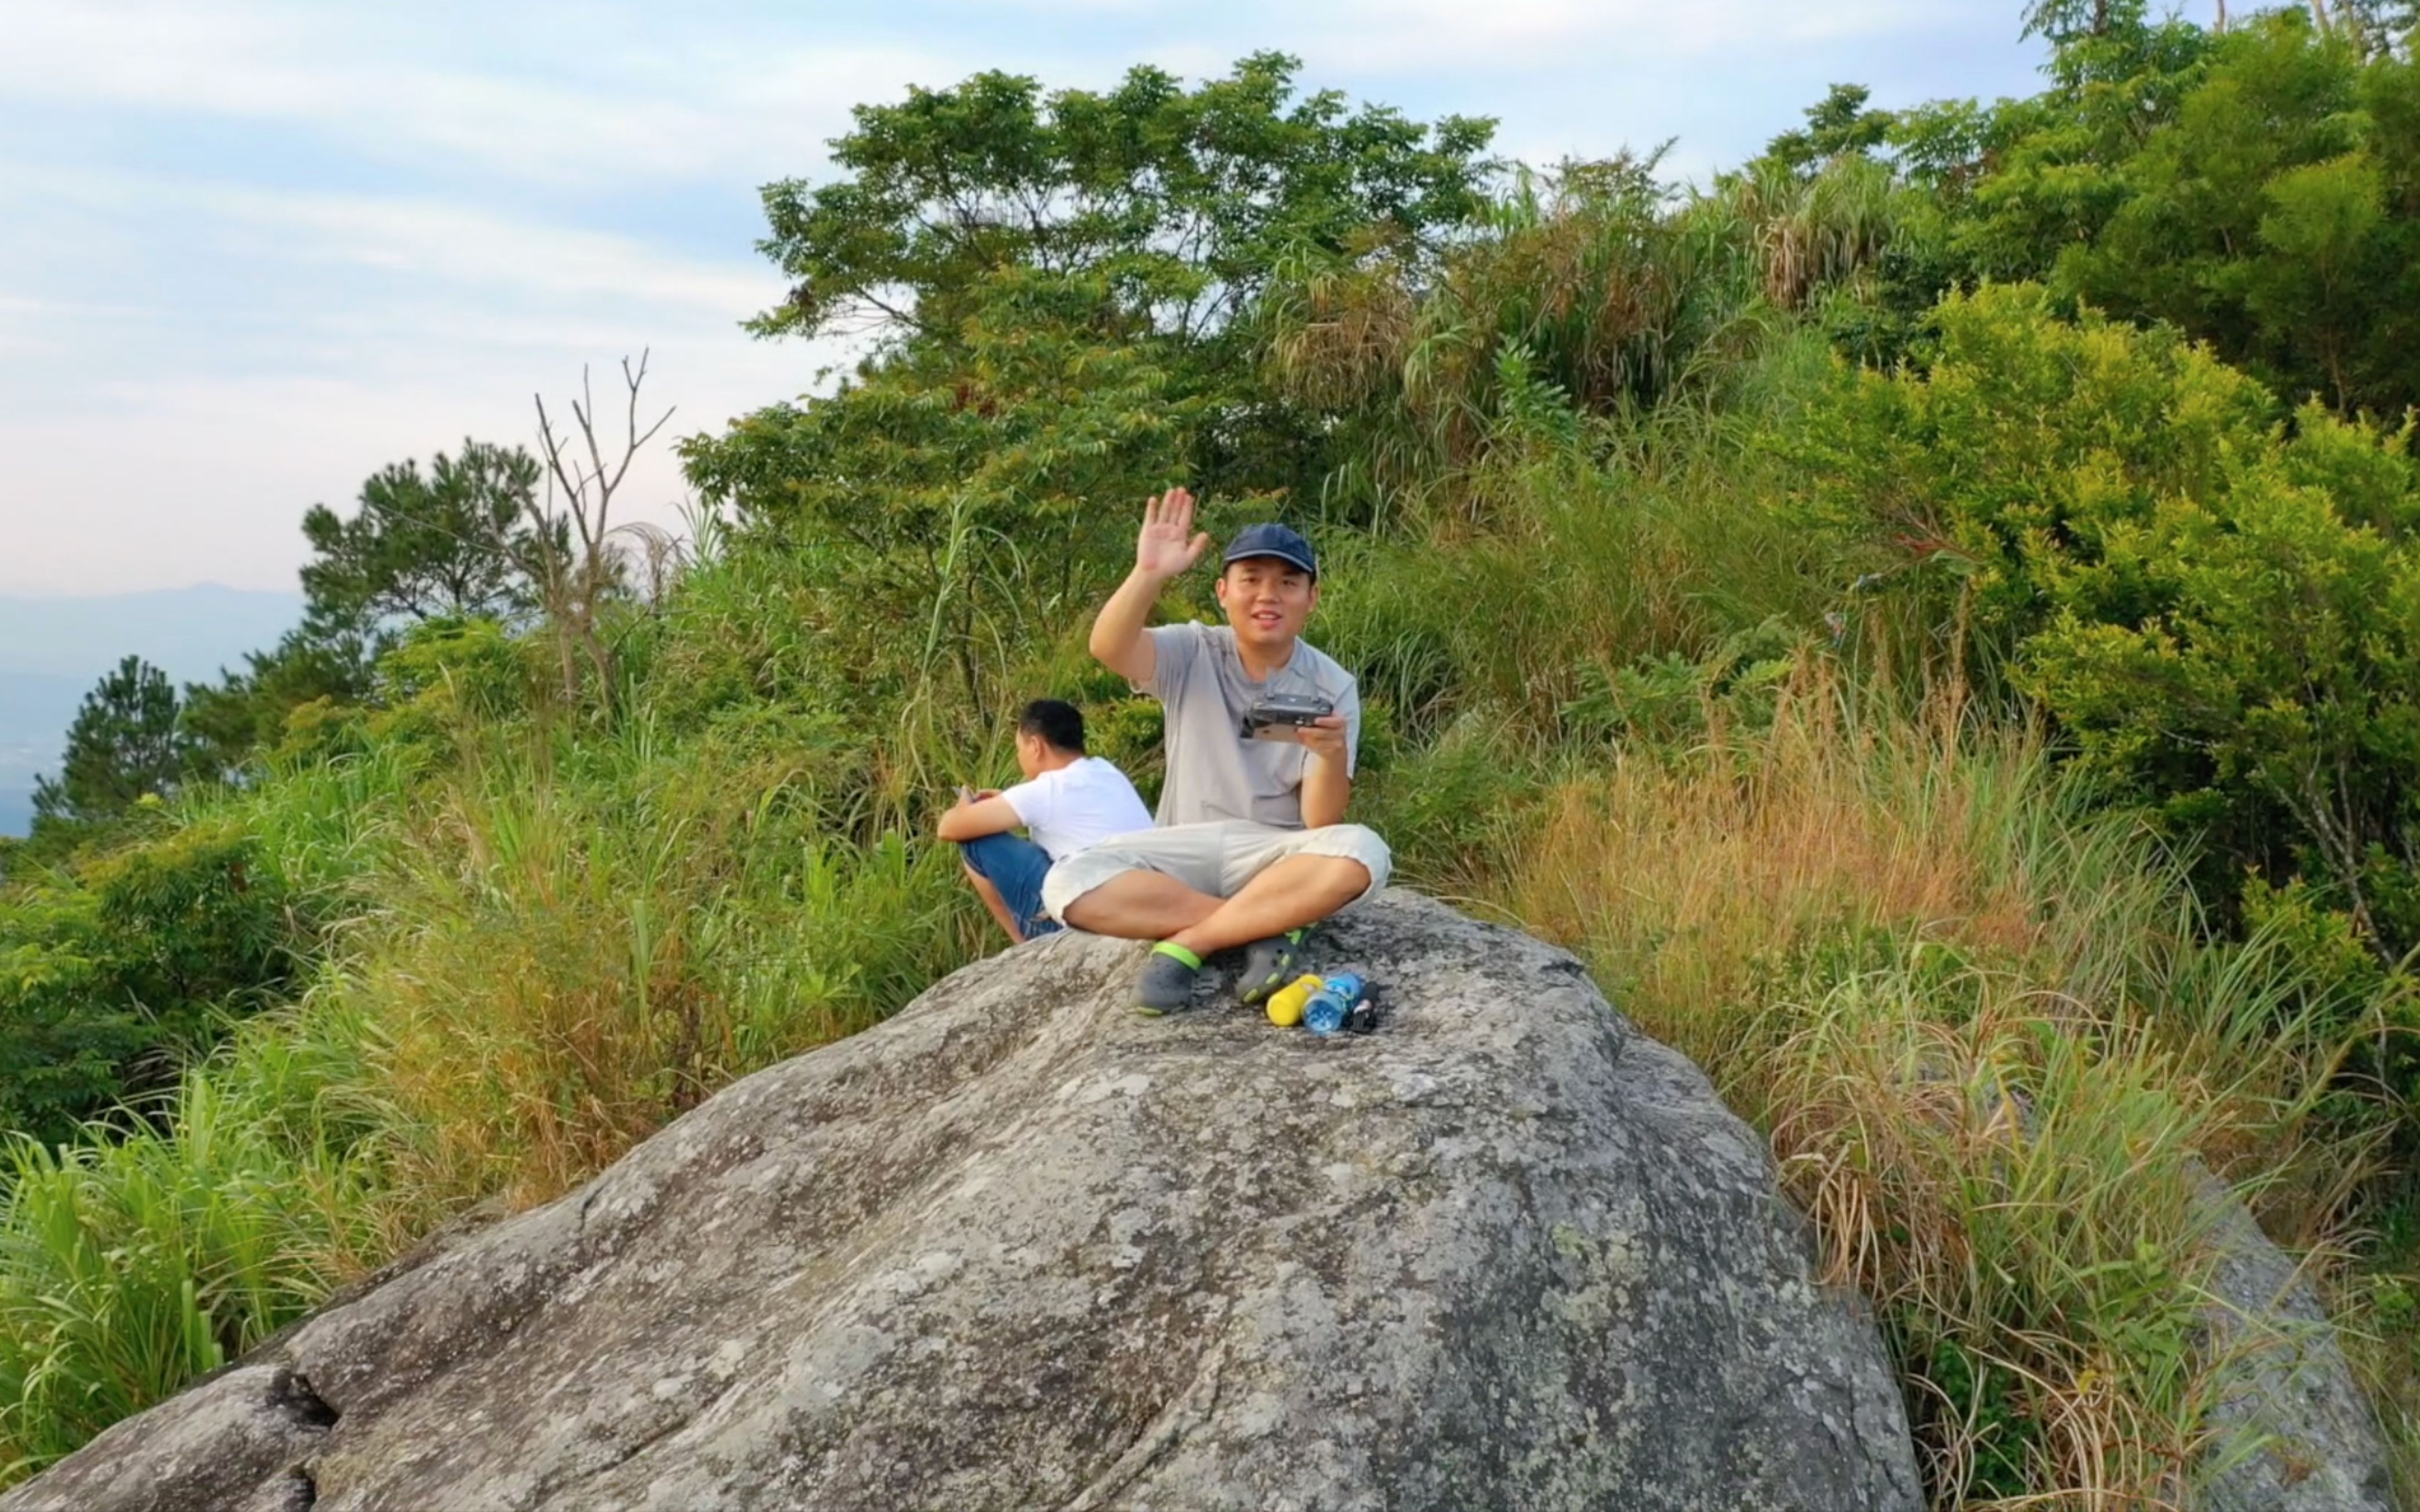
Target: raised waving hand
[[1162, 549]]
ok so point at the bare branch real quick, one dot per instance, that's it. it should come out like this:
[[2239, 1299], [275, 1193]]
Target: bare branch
[[630, 421], [586, 487]]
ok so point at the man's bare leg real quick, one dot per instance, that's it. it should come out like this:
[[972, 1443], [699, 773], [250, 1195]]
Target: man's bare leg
[[1300, 889], [993, 900], [1141, 905]]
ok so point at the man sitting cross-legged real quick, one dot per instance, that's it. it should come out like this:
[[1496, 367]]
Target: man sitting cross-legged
[[1067, 801], [1252, 847]]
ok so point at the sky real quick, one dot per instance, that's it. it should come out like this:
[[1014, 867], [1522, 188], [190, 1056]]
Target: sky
[[251, 250]]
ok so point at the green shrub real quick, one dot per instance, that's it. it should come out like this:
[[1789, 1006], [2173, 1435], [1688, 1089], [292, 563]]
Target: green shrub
[[2118, 519], [1446, 809], [66, 1044], [110, 977], [447, 673], [1668, 701]]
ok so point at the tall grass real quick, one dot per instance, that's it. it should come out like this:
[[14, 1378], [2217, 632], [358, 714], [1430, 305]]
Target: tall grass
[[1993, 1051], [1630, 543], [134, 1262], [566, 965], [559, 942], [1596, 290]]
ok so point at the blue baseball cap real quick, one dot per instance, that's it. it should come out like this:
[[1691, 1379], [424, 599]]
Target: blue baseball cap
[[1273, 541]]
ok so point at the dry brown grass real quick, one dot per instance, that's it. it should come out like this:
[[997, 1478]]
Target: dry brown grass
[[1989, 1052], [556, 979], [1692, 880]]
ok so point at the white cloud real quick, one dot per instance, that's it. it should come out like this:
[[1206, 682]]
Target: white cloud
[[1547, 37], [179, 439], [496, 272], [590, 118], [430, 240]]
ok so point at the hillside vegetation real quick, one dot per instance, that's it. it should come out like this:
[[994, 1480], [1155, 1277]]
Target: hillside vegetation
[[1931, 617]]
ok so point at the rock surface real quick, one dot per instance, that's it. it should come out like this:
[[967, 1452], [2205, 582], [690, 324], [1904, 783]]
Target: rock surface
[[1018, 1248], [2296, 1433], [240, 1440]]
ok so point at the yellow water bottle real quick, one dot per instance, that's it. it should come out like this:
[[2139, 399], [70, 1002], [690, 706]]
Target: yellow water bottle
[[1285, 1004]]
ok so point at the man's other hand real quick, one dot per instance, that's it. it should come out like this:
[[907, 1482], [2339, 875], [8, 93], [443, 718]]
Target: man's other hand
[[1325, 735], [1163, 550]]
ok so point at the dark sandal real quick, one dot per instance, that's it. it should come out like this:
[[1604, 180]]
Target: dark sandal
[[1166, 984], [1269, 965]]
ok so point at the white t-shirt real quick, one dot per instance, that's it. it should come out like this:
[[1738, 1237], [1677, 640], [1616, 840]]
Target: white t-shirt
[[1077, 806]]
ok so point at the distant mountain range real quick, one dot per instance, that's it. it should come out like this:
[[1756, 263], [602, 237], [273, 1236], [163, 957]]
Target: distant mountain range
[[52, 650]]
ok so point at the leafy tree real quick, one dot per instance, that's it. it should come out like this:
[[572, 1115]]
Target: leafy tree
[[452, 543], [1179, 200], [960, 493], [1170, 206], [2066, 20], [1840, 125], [2225, 622], [2043, 174], [2258, 187], [125, 743], [1058, 288], [464, 539], [2253, 217]]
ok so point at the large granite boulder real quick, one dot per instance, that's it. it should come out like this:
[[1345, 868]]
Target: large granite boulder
[[1018, 1248]]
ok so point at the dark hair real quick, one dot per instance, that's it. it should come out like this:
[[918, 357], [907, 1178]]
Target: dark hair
[[1058, 724]]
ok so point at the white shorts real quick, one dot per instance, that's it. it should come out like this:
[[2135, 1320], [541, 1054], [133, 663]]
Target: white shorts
[[1218, 858]]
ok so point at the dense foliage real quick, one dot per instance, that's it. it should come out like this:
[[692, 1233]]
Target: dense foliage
[[106, 981], [2259, 189], [1931, 617], [2220, 613], [454, 544], [1182, 201]]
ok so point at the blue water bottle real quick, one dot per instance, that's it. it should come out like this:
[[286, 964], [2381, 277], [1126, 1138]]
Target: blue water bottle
[[1325, 1011]]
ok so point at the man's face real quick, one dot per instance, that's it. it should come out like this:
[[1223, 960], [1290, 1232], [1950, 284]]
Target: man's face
[[1029, 755], [1269, 600]]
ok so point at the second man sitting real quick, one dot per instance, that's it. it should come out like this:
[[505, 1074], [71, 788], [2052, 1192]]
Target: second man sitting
[[1067, 802]]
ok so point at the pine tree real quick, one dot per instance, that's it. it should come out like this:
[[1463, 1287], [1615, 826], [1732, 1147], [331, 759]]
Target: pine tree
[[125, 743]]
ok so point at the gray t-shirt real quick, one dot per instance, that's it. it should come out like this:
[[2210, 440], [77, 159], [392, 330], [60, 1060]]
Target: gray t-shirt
[[1213, 772]]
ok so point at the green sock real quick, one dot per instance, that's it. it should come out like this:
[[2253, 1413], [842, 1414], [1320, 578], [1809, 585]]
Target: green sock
[[1176, 951]]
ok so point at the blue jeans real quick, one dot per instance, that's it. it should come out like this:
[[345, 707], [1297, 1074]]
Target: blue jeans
[[1015, 867]]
